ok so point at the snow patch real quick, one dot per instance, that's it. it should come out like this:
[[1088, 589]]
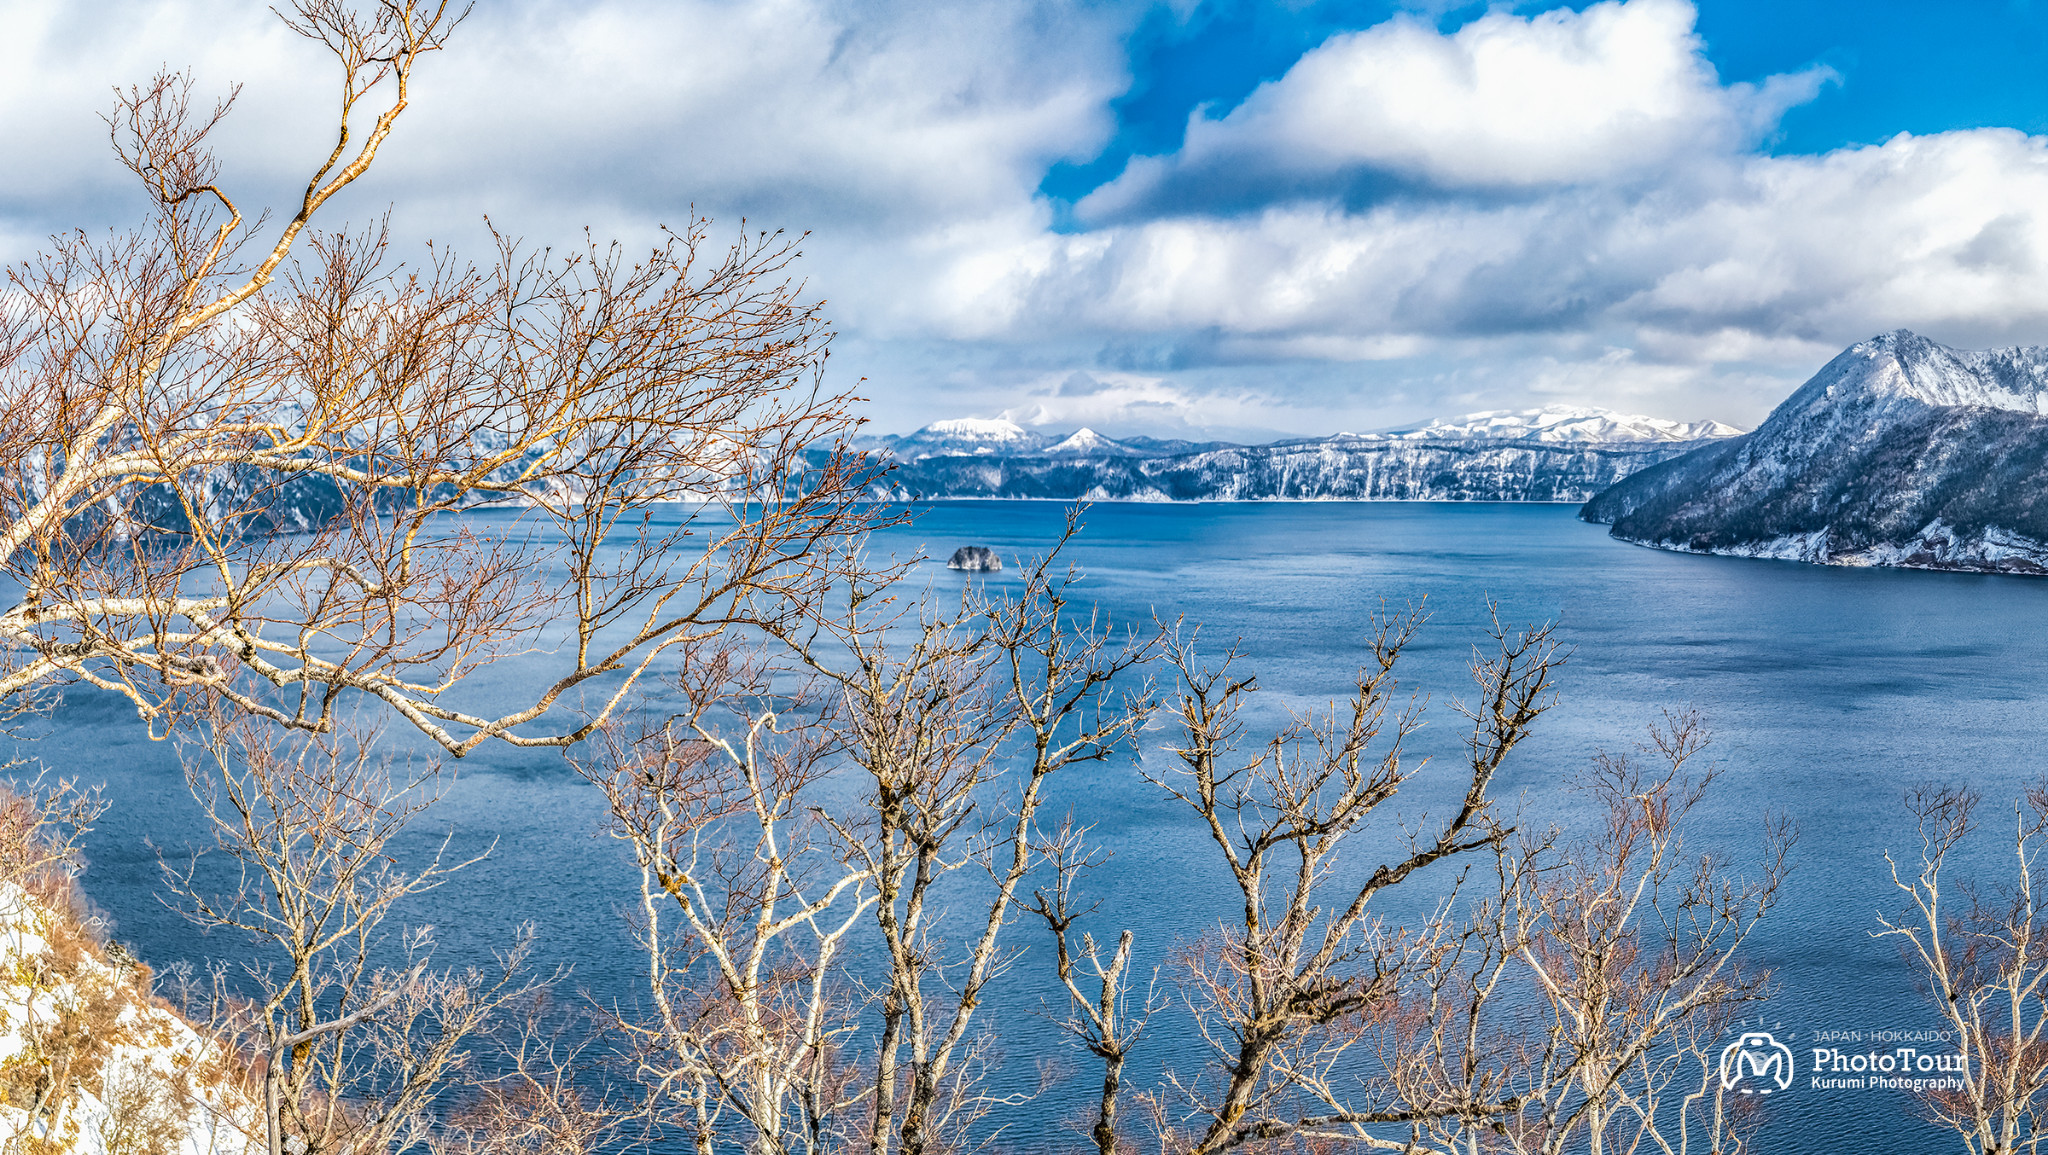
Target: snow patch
[[1903, 365], [1935, 547]]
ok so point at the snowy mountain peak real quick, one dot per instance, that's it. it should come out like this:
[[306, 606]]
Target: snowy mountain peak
[[1565, 423], [1903, 365], [974, 429], [968, 436], [1574, 425], [1900, 451], [1086, 440]]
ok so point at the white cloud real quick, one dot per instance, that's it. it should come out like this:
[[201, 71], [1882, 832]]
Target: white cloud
[[1945, 232], [1143, 404], [1585, 215], [1762, 258], [888, 119], [1615, 91], [902, 134]]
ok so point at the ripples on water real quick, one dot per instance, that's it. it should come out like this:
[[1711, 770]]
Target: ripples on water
[[1828, 691]]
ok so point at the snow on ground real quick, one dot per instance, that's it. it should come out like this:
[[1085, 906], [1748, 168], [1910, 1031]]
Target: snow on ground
[[1936, 546], [91, 1063]]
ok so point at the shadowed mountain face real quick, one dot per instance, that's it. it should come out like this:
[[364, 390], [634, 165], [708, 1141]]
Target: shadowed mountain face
[[1900, 451], [1554, 454]]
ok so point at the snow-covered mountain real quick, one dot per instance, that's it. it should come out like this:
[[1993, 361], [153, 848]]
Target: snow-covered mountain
[[1086, 442], [1550, 454], [1900, 451], [1565, 423], [966, 437]]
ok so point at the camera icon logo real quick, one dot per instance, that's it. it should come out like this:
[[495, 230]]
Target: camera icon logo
[[1756, 1064]]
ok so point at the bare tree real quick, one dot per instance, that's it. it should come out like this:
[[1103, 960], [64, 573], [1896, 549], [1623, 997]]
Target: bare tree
[[759, 866], [1981, 956], [43, 823], [242, 465], [1287, 993], [749, 1007], [1100, 1018], [537, 1098], [357, 1038], [1634, 948], [234, 460], [956, 732], [1328, 1024]]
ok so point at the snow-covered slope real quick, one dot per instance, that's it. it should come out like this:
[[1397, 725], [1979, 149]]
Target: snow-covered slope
[[1900, 451], [1565, 423], [966, 436], [1085, 442], [91, 1063], [1552, 454]]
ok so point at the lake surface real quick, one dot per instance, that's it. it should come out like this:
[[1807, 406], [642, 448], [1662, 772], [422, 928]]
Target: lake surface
[[1828, 690]]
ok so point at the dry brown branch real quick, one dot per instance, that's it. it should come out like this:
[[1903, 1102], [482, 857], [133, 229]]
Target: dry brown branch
[[1102, 1021], [1980, 953], [955, 723], [237, 462], [541, 1100], [353, 1054]]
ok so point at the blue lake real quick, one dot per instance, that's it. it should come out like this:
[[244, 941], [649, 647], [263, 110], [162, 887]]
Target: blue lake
[[1828, 691]]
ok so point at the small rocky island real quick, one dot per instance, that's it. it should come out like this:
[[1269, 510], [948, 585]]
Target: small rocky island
[[975, 559]]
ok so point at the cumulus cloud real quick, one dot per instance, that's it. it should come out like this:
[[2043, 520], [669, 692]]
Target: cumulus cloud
[[1615, 91], [1945, 230], [1771, 260], [877, 119], [1566, 206]]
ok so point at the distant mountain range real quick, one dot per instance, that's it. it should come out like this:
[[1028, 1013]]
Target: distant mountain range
[[1551, 454], [1899, 452]]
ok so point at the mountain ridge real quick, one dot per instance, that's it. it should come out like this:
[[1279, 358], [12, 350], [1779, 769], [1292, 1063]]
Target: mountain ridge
[[1900, 451], [1554, 454]]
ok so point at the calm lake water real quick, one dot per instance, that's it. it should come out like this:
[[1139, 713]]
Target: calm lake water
[[1828, 691]]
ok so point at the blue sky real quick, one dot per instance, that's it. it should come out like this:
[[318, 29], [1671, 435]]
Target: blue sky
[[1904, 66], [1920, 67], [1229, 219]]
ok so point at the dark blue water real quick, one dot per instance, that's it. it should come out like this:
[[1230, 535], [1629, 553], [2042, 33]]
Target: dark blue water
[[1828, 691]]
